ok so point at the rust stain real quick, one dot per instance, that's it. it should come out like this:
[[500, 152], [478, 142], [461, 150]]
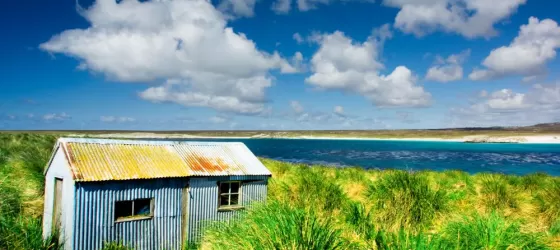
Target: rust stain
[[206, 164], [97, 162], [71, 161]]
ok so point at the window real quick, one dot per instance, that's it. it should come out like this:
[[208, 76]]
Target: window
[[229, 194], [133, 210]]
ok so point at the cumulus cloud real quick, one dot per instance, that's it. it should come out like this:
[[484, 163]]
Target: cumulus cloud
[[339, 110], [296, 107], [449, 69], [470, 18], [56, 117], [116, 119], [538, 105], [298, 38], [241, 8], [186, 42], [527, 55], [282, 7], [343, 64]]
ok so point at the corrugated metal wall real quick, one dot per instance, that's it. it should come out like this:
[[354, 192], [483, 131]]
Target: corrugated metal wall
[[203, 201], [94, 210], [94, 214]]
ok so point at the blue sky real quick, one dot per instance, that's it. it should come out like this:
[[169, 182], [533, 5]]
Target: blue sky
[[283, 64]]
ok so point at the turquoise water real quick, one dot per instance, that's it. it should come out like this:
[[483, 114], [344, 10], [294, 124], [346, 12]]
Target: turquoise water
[[518, 159]]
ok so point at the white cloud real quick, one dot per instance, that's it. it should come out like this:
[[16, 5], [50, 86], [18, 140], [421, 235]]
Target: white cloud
[[111, 119], [343, 64], [297, 63], [56, 117], [470, 18], [527, 55], [339, 110], [539, 105], [298, 38], [296, 107], [243, 8], [448, 70], [282, 7], [445, 73], [187, 42], [305, 5]]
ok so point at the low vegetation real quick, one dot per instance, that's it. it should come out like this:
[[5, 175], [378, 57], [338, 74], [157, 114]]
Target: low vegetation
[[320, 207], [353, 208], [22, 159]]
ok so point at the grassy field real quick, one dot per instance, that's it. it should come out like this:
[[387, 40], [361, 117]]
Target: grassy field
[[352, 208], [321, 207]]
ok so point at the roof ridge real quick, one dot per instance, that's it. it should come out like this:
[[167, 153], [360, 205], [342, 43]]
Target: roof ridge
[[137, 141]]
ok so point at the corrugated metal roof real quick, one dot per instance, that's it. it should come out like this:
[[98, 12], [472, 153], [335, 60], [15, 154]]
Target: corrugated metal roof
[[104, 159]]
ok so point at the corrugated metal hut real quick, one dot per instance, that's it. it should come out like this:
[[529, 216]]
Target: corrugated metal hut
[[146, 194]]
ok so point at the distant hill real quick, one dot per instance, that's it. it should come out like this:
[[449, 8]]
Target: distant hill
[[542, 128]]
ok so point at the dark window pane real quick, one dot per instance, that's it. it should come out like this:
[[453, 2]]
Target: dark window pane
[[234, 199], [235, 187], [224, 187], [224, 200], [123, 209], [142, 207]]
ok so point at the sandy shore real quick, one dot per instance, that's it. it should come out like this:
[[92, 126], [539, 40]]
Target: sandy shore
[[471, 139]]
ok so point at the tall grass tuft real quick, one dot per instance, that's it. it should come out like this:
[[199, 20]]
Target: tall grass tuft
[[555, 228], [361, 220], [25, 233], [404, 240], [22, 159], [492, 232], [311, 189], [549, 201], [496, 194], [276, 225], [403, 199]]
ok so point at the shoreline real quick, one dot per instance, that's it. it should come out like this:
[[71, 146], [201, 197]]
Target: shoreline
[[526, 139]]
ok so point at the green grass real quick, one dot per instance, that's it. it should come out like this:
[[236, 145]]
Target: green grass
[[22, 159], [549, 201], [406, 200], [321, 207], [277, 225], [491, 232], [497, 193]]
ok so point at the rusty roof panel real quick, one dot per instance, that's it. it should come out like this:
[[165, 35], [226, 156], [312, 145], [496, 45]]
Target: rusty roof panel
[[211, 159], [96, 162], [103, 159]]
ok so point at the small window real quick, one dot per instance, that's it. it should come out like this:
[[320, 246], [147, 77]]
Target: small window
[[133, 210], [229, 196]]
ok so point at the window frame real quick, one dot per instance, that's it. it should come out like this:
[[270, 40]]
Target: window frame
[[134, 217], [230, 207]]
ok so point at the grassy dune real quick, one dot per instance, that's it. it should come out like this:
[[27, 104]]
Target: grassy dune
[[352, 208], [321, 207], [22, 159]]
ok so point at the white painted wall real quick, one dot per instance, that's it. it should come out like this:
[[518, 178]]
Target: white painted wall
[[59, 168]]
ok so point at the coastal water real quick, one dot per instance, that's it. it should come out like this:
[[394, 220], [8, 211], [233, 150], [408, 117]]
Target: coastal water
[[518, 159]]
